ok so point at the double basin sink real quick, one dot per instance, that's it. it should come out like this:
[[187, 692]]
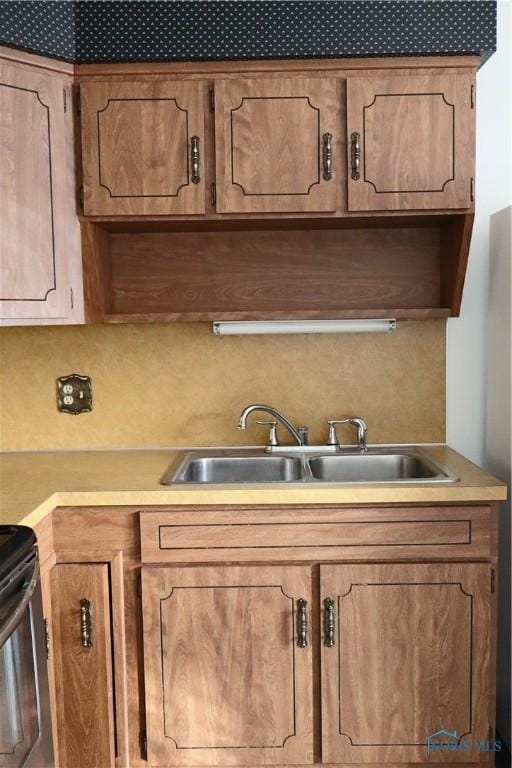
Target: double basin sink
[[303, 465]]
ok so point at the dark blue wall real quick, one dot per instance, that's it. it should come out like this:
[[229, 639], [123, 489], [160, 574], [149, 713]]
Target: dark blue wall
[[111, 30]]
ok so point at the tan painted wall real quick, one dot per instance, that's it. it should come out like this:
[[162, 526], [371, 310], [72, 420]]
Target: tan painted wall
[[163, 385]]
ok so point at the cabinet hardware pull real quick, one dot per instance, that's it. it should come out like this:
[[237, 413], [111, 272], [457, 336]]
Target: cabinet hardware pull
[[329, 622], [195, 158], [356, 155], [85, 622], [327, 156], [302, 622]]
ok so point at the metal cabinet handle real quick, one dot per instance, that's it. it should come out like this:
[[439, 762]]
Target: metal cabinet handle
[[329, 622], [195, 159], [327, 156], [85, 622], [356, 155], [302, 622]]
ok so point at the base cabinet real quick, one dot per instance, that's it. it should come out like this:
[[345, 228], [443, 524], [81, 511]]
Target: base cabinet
[[409, 657], [83, 665], [232, 636], [227, 665]]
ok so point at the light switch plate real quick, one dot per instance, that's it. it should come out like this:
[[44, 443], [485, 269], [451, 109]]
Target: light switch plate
[[74, 394]]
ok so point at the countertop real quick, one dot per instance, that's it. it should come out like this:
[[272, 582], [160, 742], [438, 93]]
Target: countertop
[[32, 484]]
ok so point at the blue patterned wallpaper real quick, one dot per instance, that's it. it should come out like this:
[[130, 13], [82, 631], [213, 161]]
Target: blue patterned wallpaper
[[176, 30]]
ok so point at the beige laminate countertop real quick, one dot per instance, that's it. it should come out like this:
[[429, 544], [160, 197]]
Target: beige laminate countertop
[[32, 484]]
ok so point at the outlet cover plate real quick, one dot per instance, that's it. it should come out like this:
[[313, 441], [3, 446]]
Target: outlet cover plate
[[74, 394]]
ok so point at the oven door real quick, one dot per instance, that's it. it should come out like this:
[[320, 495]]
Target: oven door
[[25, 726]]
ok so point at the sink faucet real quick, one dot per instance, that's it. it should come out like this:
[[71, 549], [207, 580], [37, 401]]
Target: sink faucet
[[300, 435], [357, 422]]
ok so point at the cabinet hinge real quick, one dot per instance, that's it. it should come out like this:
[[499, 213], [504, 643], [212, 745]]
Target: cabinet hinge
[[472, 97], [213, 194], [65, 99], [47, 637], [81, 197], [71, 297], [144, 745], [211, 98], [139, 586], [78, 103], [493, 580], [472, 189]]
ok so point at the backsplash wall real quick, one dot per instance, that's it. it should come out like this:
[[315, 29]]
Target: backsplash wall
[[164, 385]]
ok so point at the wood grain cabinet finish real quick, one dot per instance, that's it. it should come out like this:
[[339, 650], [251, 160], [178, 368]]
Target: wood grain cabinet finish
[[83, 673], [37, 218], [411, 656], [226, 681], [143, 148], [410, 142], [275, 141]]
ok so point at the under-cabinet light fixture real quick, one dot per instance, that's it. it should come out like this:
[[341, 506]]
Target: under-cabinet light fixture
[[252, 327]]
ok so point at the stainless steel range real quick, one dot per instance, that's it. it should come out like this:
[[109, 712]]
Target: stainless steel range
[[25, 726]]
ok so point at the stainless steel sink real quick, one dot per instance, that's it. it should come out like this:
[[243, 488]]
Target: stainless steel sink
[[311, 465], [376, 468], [237, 469]]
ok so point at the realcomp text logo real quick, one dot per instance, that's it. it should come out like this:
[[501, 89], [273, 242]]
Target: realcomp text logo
[[448, 741]]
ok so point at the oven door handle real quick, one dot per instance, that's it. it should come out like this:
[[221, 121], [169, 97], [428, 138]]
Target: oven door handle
[[9, 625]]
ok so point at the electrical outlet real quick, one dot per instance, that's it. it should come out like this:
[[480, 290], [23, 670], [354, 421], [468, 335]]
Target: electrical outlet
[[74, 394]]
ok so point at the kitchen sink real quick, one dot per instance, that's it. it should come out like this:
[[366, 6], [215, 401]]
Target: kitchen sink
[[374, 468], [238, 469], [307, 464]]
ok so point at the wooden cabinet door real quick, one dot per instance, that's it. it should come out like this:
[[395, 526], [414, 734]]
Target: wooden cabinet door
[[411, 657], [415, 139], [226, 680], [137, 147], [82, 666], [35, 206], [271, 138]]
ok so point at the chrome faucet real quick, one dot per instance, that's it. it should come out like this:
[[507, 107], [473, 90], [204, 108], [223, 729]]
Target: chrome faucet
[[357, 422], [299, 434]]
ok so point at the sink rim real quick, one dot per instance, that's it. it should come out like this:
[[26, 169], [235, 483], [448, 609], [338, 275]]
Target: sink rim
[[174, 474]]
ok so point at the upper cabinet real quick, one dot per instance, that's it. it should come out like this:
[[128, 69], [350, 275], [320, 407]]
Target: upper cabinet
[[299, 142], [410, 142], [40, 278], [320, 161], [274, 145], [143, 145]]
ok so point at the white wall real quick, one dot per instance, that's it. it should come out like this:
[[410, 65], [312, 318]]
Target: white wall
[[498, 436], [477, 343], [466, 336]]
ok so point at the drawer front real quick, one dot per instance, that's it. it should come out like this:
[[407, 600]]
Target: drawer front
[[219, 534]]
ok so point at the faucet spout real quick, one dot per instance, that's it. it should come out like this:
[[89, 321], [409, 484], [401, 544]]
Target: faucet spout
[[242, 424]]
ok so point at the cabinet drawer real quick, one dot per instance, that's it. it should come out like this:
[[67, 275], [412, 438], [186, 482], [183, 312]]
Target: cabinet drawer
[[215, 534]]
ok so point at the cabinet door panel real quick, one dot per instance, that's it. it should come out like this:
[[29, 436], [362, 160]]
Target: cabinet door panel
[[137, 148], [416, 142], [33, 186], [226, 682], [270, 145], [411, 657], [83, 675]]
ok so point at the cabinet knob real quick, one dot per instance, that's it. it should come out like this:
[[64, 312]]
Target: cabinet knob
[[329, 622], [327, 156], [195, 159], [356, 155], [302, 622], [85, 622]]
